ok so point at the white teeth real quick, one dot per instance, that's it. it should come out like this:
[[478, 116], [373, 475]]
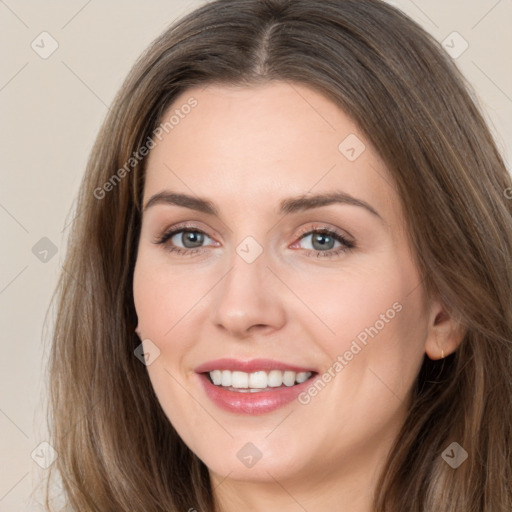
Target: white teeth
[[289, 378], [226, 378], [275, 378], [302, 377], [257, 380], [240, 379], [216, 376]]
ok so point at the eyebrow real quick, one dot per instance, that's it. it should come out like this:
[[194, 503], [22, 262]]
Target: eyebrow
[[289, 205]]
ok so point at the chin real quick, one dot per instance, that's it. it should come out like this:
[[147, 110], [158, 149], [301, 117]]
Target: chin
[[253, 462]]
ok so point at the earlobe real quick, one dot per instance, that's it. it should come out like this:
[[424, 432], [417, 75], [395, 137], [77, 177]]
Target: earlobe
[[445, 334]]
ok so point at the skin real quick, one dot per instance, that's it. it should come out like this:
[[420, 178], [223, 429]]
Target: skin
[[246, 149]]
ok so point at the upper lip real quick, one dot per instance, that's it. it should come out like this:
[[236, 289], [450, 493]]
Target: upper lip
[[249, 366]]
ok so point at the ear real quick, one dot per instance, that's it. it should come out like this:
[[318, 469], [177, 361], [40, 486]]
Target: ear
[[445, 332], [137, 331]]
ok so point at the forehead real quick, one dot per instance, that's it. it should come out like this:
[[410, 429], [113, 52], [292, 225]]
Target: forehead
[[252, 146]]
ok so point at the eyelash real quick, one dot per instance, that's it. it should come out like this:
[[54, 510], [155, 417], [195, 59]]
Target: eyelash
[[346, 244]]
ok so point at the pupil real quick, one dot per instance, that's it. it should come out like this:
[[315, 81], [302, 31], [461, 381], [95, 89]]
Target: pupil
[[194, 237], [321, 239]]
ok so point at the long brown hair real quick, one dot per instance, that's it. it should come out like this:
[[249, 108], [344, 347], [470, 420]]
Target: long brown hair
[[117, 450]]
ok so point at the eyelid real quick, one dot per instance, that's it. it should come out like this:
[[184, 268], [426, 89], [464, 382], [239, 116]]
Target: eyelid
[[176, 228], [317, 226], [190, 225]]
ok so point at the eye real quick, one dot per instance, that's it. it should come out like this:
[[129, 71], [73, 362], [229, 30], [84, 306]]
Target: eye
[[321, 240], [324, 242], [183, 240], [188, 238]]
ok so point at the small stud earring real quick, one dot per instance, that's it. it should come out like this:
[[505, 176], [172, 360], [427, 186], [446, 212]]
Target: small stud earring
[[442, 349]]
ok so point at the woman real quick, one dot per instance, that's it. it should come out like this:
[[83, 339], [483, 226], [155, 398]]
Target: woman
[[295, 239]]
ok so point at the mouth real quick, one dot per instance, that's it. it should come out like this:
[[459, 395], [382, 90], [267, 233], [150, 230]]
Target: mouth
[[253, 387]]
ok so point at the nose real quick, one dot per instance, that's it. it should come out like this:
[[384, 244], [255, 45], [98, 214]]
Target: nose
[[248, 299]]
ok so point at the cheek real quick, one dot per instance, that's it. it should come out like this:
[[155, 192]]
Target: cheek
[[164, 296], [384, 344], [377, 326], [372, 359], [381, 300], [164, 302]]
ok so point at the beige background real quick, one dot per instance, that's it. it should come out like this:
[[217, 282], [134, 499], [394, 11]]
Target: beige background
[[51, 110]]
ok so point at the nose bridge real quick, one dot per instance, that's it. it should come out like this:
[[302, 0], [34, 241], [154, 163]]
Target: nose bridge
[[247, 295]]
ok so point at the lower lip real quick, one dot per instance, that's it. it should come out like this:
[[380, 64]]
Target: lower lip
[[260, 402]]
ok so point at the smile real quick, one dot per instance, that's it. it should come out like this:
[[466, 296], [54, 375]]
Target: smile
[[253, 387]]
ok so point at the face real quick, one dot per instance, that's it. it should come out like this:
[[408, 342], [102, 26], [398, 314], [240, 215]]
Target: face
[[273, 253]]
